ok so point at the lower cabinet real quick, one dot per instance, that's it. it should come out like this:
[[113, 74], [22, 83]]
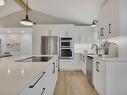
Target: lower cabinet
[[99, 76], [44, 83], [110, 77]]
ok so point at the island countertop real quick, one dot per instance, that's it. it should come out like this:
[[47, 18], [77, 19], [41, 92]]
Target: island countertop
[[14, 76]]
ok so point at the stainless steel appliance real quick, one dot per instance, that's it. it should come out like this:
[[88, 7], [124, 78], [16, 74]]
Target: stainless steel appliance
[[89, 69], [66, 48], [49, 45], [66, 42], [66, 53], [0, 47]]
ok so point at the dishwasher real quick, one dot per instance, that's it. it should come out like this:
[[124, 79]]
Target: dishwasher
[[89, 69]]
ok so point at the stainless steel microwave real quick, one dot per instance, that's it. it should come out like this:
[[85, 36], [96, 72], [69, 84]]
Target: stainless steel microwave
[[66, 42]]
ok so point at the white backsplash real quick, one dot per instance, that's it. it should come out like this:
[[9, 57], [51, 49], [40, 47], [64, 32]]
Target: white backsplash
[[121, 41], [79, 48]]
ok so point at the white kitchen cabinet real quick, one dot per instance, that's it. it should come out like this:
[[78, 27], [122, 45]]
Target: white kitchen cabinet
[[66, 30], [83, 34], [80, 59], [108, 20], [83, 63], [103, 21], [38, 87], [109, 77], [99, 76], [61, 30], [44, 83], [69, 64], [45, 30]]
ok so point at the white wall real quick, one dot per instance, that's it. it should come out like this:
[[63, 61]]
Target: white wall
[[79, 48], [24, 35], [25, 40], [26, 44]]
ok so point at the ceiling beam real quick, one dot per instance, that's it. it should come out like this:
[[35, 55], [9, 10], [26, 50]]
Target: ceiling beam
[[22, 4]]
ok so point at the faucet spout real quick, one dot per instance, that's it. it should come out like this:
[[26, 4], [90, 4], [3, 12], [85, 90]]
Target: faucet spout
[[94, 45]]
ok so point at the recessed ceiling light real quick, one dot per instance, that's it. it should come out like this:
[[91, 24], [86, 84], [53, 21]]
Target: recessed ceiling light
[[2, 2], [22, 31], [8, 31]]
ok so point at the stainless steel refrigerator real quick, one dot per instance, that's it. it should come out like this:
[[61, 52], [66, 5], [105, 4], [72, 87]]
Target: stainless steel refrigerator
[[49, 45]]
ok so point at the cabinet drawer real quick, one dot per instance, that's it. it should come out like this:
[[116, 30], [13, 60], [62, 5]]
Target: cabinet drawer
[[36, 87]]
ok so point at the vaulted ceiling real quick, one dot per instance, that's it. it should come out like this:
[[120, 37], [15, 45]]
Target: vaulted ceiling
[[79, 11]]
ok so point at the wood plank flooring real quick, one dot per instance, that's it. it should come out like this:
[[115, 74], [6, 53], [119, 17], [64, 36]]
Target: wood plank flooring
[[73, 83]]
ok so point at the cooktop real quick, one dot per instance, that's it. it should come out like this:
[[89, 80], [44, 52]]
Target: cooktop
[[35, 59]]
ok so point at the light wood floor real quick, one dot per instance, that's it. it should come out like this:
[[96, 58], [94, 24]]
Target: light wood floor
[[73, 83]]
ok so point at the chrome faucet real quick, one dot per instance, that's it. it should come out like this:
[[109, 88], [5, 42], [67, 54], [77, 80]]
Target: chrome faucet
[[96, 48]]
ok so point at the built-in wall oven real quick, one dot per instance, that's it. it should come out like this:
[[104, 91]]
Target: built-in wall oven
[[66, 48], [66, 53]]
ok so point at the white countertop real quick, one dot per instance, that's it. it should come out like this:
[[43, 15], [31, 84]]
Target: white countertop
[[14, 76], [116, 59]]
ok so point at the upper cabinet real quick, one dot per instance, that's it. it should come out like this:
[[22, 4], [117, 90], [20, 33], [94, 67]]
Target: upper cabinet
[[108, 20], [62, 30], [84, 34], [80, 34]]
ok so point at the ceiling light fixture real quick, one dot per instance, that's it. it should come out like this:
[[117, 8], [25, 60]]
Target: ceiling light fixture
[[2, 2], [95, 22], [27, 21]]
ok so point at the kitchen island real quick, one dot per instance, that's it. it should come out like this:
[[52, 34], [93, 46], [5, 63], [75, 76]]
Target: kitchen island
[[16, 77]]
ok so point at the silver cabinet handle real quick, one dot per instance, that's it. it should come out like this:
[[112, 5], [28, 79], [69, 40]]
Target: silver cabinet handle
[[43, 91], [31, 86], [97, 66]]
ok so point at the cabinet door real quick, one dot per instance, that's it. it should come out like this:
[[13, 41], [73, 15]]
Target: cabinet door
[[36, 86], [83, 34], [103, 21], [96, 75], [99, 76], [66, 30], [44, 83], [47, 30], [102, 76], [113, 29], [108, 20], [51, 77]]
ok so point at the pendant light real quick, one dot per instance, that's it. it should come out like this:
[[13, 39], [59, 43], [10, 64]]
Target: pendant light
[[2, 2], [95, 22], [26, 21]]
